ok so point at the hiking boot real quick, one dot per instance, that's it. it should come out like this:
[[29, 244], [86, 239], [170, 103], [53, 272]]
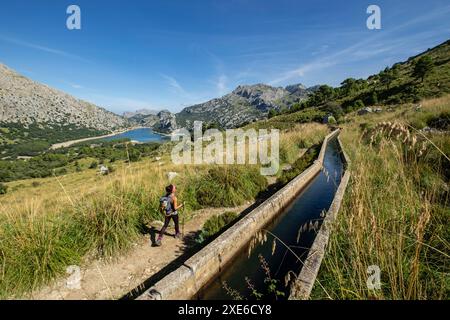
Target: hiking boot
[[179, 236], [158, 242]]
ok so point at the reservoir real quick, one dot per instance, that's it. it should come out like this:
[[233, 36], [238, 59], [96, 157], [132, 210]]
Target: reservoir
[[142, 135]]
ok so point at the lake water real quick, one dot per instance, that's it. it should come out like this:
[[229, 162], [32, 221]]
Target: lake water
[[142, 135]]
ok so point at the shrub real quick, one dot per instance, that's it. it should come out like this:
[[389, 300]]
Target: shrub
[[332, 120], [358, 104], [228, 186], [300, 165], [215, 224], [93, 165], [109, 224], [35, 249], [3, 188], [441, 121], [373, 99]]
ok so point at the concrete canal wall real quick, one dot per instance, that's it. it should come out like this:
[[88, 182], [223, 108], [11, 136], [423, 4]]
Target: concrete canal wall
[[303, 285], [201, 268]]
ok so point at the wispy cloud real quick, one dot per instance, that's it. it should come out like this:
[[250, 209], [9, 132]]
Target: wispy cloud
[[221, 84], [377, 44], [174, 84], [41, 48]]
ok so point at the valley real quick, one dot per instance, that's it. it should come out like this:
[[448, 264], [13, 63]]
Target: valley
[[57, 209]]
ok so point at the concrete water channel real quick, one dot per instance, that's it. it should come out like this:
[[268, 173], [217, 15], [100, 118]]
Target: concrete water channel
[[296, 226], [294, 215]]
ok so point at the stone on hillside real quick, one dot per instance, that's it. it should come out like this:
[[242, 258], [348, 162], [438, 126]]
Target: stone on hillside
[[171, 175], [364, 111]]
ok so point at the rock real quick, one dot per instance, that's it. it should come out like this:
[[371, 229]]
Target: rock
[[364, 111], [171, 175], [167, 121], [156, 224], [104, 170], [378, 110], [73, 282]]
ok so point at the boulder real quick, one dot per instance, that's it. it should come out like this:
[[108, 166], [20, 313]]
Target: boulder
[[171, 175], [364, 111]]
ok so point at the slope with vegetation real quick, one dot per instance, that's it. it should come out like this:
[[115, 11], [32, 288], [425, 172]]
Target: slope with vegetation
[[47, 224], [396, 212], [424, 76], [33, 116]]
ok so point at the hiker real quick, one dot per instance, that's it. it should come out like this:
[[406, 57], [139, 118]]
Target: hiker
[[169, 206]]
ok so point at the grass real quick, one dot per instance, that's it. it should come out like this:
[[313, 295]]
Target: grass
[[215, 224], [48, 224], [396, 210]]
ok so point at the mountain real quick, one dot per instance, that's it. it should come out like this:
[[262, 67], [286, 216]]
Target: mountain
[[247, 103], [139, 113], [24, 101], [164, 121], [33, 116]]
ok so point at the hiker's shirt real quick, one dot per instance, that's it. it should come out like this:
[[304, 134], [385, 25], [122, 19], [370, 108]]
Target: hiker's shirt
[[170, 207]]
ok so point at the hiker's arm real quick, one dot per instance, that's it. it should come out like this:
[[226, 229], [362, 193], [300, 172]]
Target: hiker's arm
[[175, 204]]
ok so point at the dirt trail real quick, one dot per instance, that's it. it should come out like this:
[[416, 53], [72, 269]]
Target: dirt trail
[[113, 279]]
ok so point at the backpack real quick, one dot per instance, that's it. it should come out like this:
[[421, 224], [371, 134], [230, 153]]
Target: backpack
[[165, 205]]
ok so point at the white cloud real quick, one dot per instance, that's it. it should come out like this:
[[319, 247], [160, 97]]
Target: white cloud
[[42, 48]]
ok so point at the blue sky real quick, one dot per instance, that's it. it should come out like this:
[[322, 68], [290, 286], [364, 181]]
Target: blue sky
[[170, 54]]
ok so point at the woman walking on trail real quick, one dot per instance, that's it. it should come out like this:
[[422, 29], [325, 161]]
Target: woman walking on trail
[[169, 206]]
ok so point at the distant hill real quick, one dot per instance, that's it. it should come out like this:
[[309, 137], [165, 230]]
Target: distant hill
[[399, 84], [33, 115], [139, 113], [403, 82]]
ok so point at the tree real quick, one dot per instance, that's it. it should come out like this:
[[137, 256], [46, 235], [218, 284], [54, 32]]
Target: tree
[[423, 67], [373, 99], [333, 108], [386, 77], [323, 94], [348, 85], [358, 104], [272, 113]]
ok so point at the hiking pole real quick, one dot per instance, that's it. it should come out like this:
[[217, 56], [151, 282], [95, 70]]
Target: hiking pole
[[182, 219]]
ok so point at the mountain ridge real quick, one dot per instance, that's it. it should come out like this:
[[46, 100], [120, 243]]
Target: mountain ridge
[[246, 103], [26, 101]]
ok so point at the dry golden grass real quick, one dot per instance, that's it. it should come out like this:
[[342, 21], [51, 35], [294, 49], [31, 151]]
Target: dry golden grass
[[395, 214], [46, 224]]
